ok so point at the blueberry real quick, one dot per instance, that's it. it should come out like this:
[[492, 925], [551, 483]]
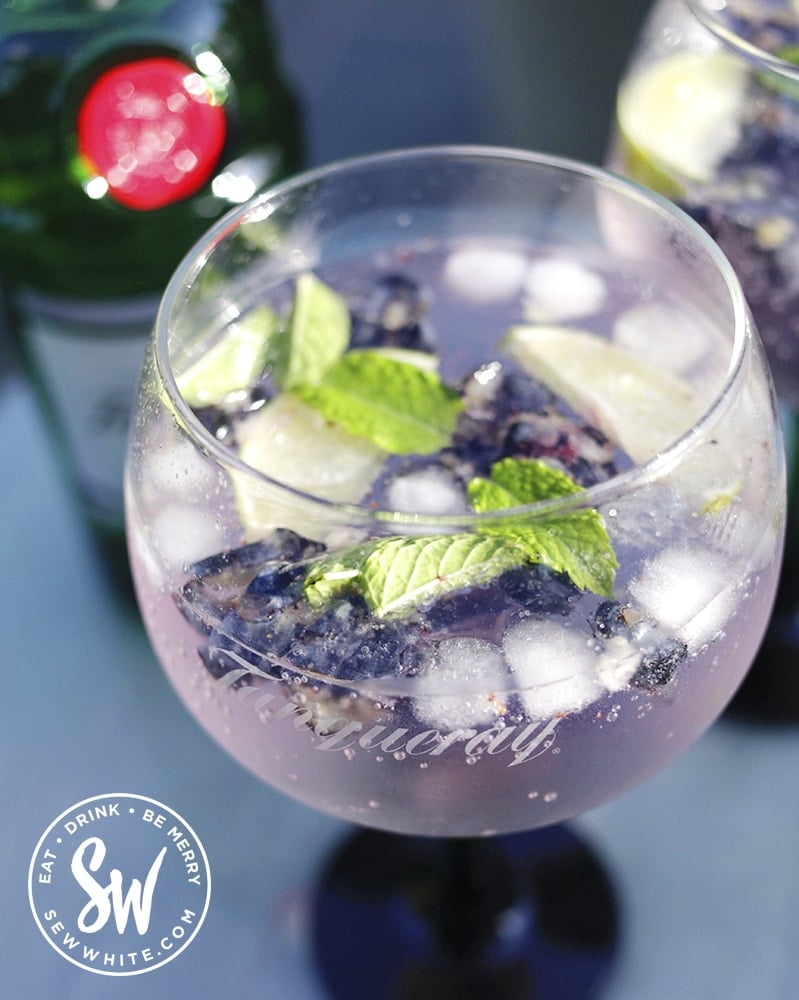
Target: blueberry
[[659, 665], [281, 543], [476, 445], [392, 314], [518, 393], [217, 584], [509, 415], [385, 649], [414, 337], [583, 452], [539, 590], [274, 579], [609, 620], [344, 641], [476, 608], [218, 663], [521, 440], [238, 642], [660, 654], [215, 421], [394, 301]]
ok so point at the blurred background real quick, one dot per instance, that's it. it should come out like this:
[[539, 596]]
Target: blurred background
[[704, 857], [372, 75], [530, 73]]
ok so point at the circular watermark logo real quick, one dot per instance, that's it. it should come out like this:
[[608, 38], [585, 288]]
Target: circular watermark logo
[[119, 884]]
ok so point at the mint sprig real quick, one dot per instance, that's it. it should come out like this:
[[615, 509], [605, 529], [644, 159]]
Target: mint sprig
[[399, 407], [402, 573], [396, 574], [575, 542]]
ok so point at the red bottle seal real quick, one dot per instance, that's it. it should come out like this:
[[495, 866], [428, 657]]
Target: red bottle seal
[[153, 130]]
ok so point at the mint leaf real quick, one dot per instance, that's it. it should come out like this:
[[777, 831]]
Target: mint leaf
[[316, 336], [397, 574], [400, 573], [394, 575], [399, 407], [517, 482], [575, 543], [333, 575], [790, 53], [778, 82]]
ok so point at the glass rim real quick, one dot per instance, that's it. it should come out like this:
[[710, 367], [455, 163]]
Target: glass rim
[[769, 61], [637, 476]]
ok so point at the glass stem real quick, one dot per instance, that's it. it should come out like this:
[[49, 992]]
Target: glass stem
[[476, 890]]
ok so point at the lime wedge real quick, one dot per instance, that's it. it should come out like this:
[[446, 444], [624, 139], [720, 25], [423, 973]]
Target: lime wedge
[[680, 117], [319, 331], [423, 360], [640, 407], [294, 444], [233, 363]]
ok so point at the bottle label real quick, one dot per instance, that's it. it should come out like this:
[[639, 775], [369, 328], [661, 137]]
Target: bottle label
[[151, 131], [88, 357]]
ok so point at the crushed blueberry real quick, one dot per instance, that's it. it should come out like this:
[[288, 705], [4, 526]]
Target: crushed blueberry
[[507, 414], [217, 584], [215, 421], [659, 665], [579, 450], [392, 314], [477, 611], [661, 654], [539, 590], [609, 620], [274, 579]]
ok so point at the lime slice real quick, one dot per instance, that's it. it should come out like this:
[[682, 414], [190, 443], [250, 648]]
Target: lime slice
[[294, 444], [233, 363], [640, 407], [679, 118], [319, 331], [423, 360]]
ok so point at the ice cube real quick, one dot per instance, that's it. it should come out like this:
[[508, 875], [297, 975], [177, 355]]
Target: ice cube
[[184, 533], [461, 684], [664, 335], [618, 662], [177, 469], [555, 667], [485, 273], [559, 289], [687, 591], [427, 491]]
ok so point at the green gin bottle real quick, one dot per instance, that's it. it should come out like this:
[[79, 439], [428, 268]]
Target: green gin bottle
[[126, 128]]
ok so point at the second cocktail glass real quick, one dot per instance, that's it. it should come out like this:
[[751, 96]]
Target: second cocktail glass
[[708, 114]]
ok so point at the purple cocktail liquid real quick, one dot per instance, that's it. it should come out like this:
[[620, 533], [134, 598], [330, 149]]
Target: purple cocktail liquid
[[511, 702], [370, 761]]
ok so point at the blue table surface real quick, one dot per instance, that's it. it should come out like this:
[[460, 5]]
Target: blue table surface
[[704, 856]]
